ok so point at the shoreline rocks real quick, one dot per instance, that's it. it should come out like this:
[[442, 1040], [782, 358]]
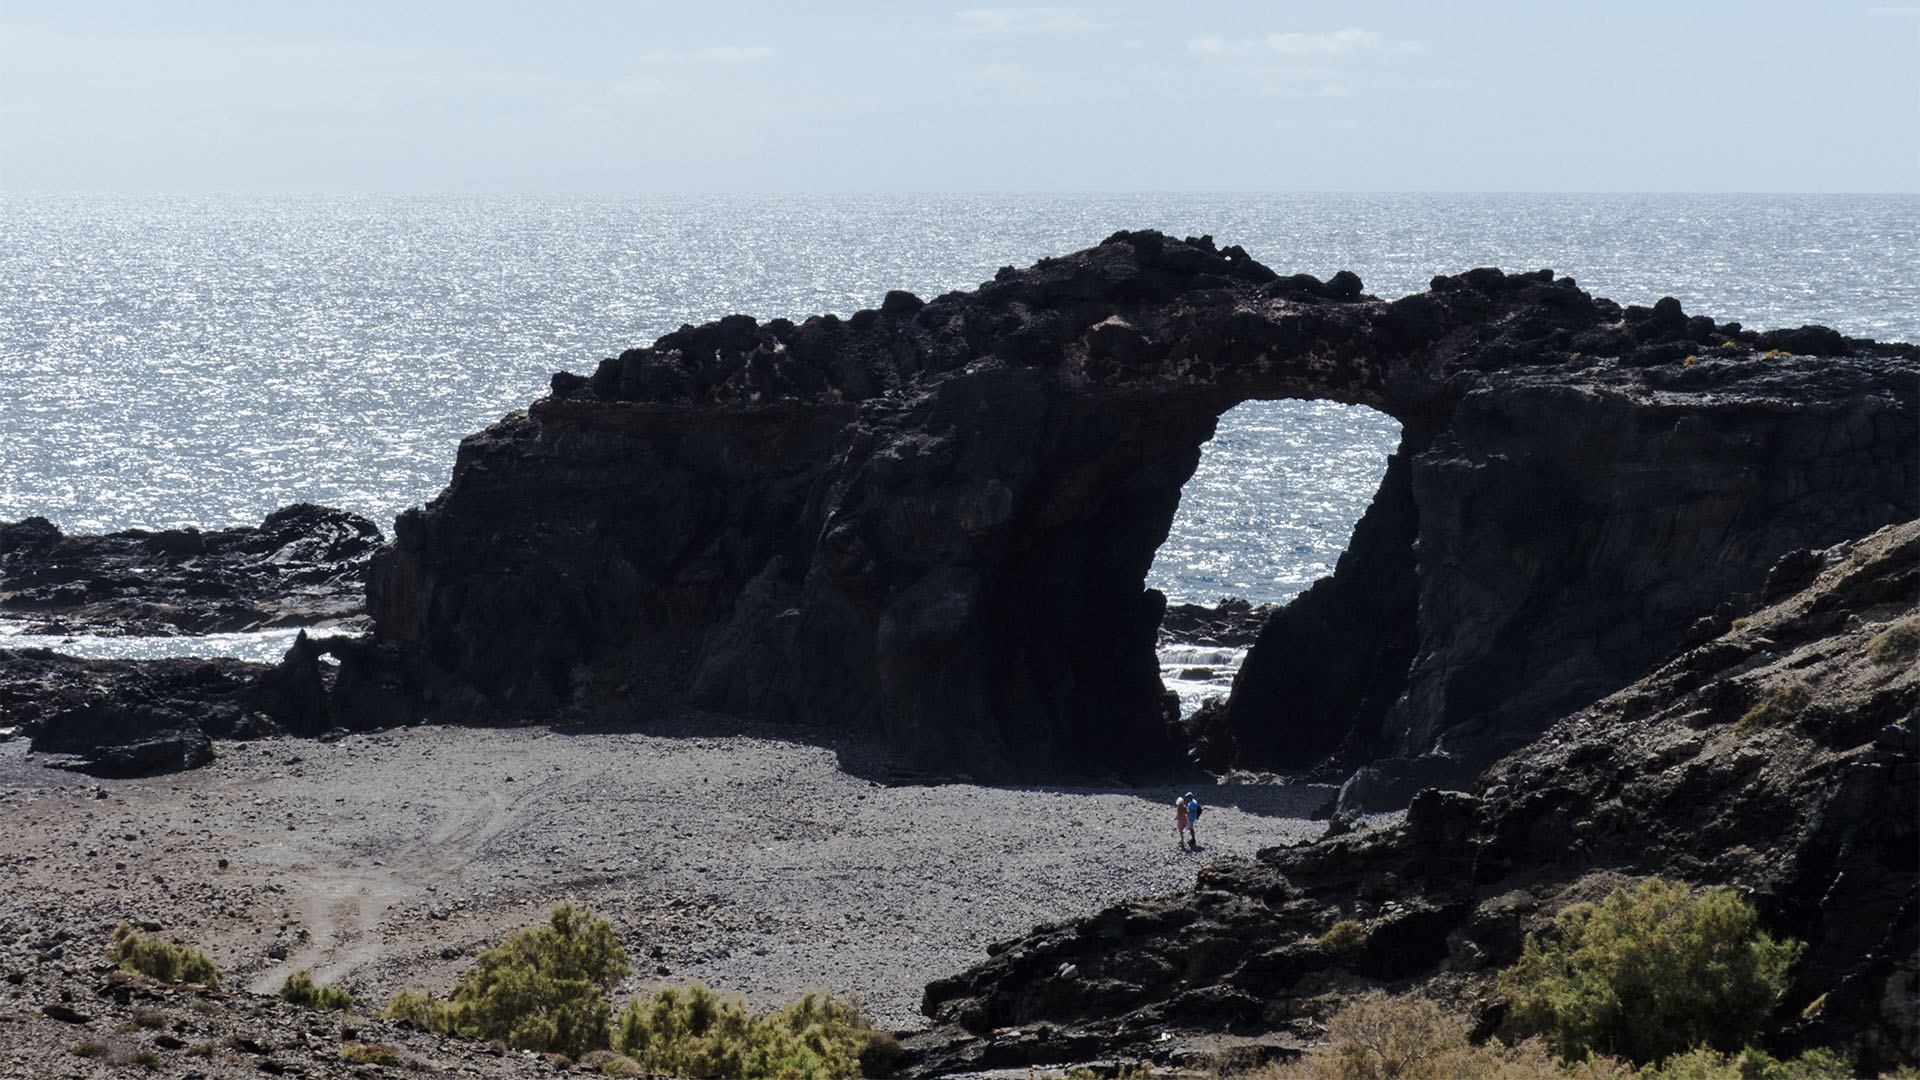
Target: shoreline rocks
[[303, 565], [1234, 622]]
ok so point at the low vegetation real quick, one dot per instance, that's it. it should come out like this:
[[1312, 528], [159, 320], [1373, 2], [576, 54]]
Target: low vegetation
[[1895, 643], [1409, 1037], [1776, 707], [698, 1033], [369, 1054], [162, 960], [1377, 1037], [300, 989], [1344, 936], [545, 989], [1648, 973]]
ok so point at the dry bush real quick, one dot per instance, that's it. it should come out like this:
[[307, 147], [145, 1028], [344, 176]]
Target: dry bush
[[369, 1054], [1409, 1037], [1776, 707], [1895, 642]]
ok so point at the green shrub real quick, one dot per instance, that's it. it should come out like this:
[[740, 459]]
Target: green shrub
[[1649, 973], [1895, 642], [300, 989], [817, 1038], [542, 989], [89, 1050], [545, 988], [161, 960], [693, 1033], [1777, 706], [698, 1033], [1344, 936]]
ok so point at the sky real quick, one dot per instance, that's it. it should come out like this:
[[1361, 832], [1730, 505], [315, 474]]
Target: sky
[[1407, 95]]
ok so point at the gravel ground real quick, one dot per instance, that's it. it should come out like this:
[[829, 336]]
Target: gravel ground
[[757, 865]]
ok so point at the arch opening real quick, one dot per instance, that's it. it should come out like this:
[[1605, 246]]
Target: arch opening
[[1269, 510]]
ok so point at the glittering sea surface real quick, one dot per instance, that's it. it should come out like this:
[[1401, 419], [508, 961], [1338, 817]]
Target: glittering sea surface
[[173, 360]]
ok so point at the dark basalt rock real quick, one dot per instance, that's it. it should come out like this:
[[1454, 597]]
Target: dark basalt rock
[[304, 565], [122, 718], [1233, 621], [1812, 810], [130, 718], [933, 520]]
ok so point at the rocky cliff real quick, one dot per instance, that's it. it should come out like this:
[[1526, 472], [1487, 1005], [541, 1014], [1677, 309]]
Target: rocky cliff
[[1778, 757], [933, 520]]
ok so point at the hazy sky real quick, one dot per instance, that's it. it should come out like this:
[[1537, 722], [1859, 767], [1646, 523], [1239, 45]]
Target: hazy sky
[[1542, 95]]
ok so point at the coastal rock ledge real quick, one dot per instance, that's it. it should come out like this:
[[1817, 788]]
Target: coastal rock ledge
[[933, 520]]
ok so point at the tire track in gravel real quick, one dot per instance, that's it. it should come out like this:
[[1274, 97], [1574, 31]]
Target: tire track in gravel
[[346, 907]]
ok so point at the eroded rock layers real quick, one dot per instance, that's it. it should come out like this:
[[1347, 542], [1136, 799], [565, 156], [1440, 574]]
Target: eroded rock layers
[[933, 520]]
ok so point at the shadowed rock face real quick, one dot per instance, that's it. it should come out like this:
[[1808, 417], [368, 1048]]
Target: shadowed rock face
[[934, 519], [1778, 758]]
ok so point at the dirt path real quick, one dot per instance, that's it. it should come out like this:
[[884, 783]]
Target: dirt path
[[752, 864]]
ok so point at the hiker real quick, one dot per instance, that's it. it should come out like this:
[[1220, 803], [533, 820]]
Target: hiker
[[1186, 815]]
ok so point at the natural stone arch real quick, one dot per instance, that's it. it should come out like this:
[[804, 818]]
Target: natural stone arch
[[934, 520]]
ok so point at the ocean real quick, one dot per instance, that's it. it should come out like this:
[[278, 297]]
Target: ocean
[[170, 360]]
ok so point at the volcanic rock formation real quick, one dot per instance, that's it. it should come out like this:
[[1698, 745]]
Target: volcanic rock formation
[[1779, 757], [304, 565], [933, 520]]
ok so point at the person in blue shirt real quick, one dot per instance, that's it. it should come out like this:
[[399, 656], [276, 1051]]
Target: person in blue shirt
[[1186, 816]]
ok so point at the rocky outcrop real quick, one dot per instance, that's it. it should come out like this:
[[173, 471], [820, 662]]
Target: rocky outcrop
[[933, 520], [304, 565], [130, 718], [123, 718], [1781, 757], [1233, 622]]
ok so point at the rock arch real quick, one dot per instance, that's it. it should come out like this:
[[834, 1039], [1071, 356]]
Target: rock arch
[[934, 520]]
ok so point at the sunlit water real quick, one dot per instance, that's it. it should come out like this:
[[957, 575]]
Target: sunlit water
[[261, 647], [174, 360]]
